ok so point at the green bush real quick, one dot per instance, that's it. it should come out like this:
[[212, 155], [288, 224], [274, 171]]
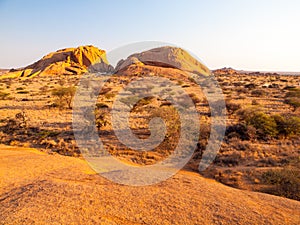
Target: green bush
[[64, 96], [264, 124]]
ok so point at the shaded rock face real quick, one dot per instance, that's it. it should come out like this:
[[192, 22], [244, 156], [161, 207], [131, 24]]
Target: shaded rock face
[[170, 57], [66, 62]]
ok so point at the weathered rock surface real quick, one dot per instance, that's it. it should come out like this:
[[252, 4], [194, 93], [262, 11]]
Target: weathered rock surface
[[36, 188], [171, 57]]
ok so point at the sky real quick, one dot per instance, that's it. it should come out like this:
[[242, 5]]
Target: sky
[[250, 34]]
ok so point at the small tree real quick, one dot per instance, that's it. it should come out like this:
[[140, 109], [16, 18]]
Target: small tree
[[64, 96]]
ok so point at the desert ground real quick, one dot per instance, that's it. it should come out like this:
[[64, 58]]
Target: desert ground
[[45, 179]]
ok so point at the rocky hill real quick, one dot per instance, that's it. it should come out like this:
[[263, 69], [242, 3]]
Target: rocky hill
[[76, 61], [170, 57], [69, 61]]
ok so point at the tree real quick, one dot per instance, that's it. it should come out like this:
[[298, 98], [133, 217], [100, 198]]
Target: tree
[[64, 96]]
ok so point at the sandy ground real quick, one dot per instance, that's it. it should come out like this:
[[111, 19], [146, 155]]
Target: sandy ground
[[38, 188]]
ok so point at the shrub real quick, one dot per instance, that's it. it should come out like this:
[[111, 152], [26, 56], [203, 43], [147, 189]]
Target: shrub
[[254, 102], [22, 92], [47, 133], [109, 95], [286, 182], [237, 131], [292, 98], [258, 93], [101, 118], [64, 96], [294, 92], [264, 124], [294, 102], [232, 107], [287, 125]]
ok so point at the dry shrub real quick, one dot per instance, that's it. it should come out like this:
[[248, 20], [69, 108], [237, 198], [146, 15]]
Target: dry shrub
[[285, 182]]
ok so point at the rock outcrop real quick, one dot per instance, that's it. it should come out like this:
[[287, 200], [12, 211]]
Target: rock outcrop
[[171, 57], [75, 61], [65, 62]]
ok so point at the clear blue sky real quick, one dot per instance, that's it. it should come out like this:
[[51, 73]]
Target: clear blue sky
[[249, 34]]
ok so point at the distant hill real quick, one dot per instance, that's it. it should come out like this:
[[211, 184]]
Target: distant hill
[[231, 71], [226, 71]]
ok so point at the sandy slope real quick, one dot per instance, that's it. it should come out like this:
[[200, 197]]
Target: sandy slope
[[37, 188]]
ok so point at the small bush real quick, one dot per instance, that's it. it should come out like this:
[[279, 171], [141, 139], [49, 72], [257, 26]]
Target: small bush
[[232, 107], [295, 92], [22, 92], [258, 93], [254, 102], [237, 131], [294, 102], [265, 124], [47, 133], [109, 95]]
